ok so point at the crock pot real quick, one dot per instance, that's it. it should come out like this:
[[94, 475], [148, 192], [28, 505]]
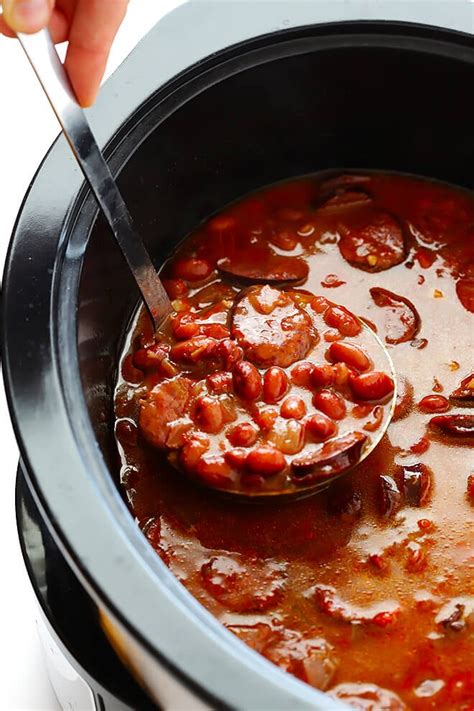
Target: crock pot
[[219, 99]]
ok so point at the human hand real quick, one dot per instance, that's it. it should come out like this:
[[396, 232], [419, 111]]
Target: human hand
[[89, 26]]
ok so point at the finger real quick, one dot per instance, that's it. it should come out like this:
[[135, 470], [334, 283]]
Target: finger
[[93, 29], [27, 15], [58, 27], [4, 29]]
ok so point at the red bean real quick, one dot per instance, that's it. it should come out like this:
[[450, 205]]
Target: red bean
[[265, 418], [194, 350], [130, 373], [175, 288], [293, 407], [301, 374], [319, 304], [332, 335], [434, 403], [320, 427], [192, 451], [229, 352], [322, 375], [236, 457], [275, 384], [183, 326], [208, 414], [220, 382], [352, 355], [265, 461], [247, 381], [341, 374], [330, 403], [214, 470], [215, 330], [147, 359], [372, 386], [287, 436], [243, 435], [192, 269], [342, 319]]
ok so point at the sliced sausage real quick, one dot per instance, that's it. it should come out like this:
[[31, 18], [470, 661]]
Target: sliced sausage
[[162, 406], [244, 586], [459, 426], [330, 459], [274, 270], [271, 328], [372, 241], [402, 320]]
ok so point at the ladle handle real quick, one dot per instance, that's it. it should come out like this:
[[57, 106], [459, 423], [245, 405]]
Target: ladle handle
[[44, 59]]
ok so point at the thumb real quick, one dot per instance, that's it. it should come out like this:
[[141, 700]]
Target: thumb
[[27, 15]]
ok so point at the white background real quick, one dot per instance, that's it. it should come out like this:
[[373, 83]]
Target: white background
[[27, 128]]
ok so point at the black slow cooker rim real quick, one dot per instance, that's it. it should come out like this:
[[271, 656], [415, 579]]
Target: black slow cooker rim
[[39, 342]]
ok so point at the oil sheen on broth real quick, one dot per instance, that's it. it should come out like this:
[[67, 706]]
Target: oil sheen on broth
[[365, 591]]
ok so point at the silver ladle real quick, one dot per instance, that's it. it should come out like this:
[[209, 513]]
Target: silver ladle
[[43, 57]]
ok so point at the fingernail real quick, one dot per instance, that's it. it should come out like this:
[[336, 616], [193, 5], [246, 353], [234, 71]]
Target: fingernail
[[26, 15]]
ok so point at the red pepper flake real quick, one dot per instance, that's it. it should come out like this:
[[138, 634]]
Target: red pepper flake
[[454, 365], [332, 281], [421, 446], [421, 279], [437, 387]]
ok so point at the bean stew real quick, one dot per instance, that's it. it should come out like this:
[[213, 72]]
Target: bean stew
[[264, 378]]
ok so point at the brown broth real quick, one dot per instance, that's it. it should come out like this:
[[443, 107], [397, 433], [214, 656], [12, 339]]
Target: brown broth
[[305, 582]]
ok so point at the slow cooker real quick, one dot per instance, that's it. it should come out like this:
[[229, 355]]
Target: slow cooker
[[219, 99]]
